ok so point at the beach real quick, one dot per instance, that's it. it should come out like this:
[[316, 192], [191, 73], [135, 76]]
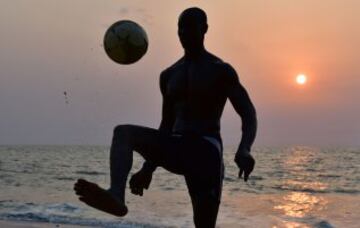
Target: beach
[[22, 224], [290, 187]]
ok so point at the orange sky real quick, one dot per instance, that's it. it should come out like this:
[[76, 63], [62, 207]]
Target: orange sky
[[49, 46]]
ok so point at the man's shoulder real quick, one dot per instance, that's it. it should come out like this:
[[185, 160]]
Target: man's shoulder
[[214, 59], [226, 71], [224, 67], [221, 64], [173, 67]]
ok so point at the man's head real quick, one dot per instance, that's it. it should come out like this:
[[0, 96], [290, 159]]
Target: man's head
[[192, 26]]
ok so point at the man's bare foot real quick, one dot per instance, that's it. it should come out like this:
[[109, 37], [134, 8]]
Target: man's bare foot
[[97, 197]]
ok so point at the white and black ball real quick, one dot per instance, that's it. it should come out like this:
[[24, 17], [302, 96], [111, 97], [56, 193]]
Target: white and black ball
[[125, 42]]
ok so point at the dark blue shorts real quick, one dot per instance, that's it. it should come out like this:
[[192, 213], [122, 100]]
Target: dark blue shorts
[[198, 159]]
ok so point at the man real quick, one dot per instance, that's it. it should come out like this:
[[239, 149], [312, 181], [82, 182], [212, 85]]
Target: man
[[188, 142]]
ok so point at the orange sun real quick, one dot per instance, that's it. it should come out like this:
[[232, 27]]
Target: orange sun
[[301, 79]]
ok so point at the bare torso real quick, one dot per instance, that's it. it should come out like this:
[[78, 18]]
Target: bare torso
[[196, 90]]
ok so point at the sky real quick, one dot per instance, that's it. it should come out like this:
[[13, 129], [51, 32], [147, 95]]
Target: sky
[[49, 46]]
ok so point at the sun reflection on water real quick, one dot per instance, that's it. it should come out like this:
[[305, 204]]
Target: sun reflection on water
[[300, 204], [302, 164], [292, 225], [305, 186], [299, 158]]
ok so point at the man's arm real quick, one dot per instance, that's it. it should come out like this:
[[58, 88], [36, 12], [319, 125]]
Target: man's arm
[[167, 120], [242, 104]]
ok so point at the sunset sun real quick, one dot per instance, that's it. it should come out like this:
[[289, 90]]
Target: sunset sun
[[301, 79]]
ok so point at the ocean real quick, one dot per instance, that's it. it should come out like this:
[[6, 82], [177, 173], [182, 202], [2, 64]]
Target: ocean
[[291, 186]]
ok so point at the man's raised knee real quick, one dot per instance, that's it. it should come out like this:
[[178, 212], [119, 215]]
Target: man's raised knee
[[123, 130]]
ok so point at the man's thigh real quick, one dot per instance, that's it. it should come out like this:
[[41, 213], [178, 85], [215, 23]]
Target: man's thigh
[[160, 148], [185, 155]]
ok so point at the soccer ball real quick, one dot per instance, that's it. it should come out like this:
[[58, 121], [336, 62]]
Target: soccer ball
[[125, 42]]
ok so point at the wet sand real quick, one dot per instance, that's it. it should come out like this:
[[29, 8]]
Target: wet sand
[[22, 224]]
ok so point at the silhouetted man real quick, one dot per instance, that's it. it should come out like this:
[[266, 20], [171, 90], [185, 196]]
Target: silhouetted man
[[188, 142]]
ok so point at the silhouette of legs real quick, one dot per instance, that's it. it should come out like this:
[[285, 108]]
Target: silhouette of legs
[[99, 198], [205, 211], [126, 138], [153, 145], [205, 196], [192, 156]]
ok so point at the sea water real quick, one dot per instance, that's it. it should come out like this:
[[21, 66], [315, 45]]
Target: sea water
[[292, 186]]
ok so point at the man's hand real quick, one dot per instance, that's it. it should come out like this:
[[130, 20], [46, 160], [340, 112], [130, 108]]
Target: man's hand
[[245, 162], [140, 181]]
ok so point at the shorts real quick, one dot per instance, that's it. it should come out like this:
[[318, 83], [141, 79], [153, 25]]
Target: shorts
[[198, 158]]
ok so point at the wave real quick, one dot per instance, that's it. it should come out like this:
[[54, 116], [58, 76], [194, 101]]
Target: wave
[[38, 217], [312, 190], [348, 191], [61, 213], [66, 178], [90, 172]]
